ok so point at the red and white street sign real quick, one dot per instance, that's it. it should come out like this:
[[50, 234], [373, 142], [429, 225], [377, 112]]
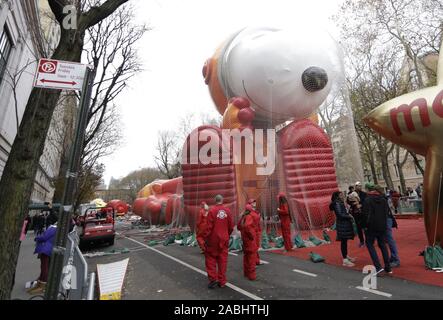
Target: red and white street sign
[[64, 75]]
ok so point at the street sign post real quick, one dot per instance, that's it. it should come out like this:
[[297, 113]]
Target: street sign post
[[65, 213], [62, 75]]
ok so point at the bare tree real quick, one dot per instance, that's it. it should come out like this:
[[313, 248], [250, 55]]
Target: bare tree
[[111, 49], [386, 42], [138, 179], [168, 154], [20, 170]]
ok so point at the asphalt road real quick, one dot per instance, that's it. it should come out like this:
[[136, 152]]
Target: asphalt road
[[178, 273]]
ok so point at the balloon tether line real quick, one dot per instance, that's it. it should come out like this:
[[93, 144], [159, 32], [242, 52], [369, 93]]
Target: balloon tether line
[[438, 206]]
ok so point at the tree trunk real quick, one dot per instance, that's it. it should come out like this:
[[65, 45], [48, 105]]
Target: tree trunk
[[384, 154], [19, 174], [374, 172], [417, 163], [400, 165]]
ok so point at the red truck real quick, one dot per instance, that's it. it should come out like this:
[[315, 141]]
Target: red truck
[[97, 225]]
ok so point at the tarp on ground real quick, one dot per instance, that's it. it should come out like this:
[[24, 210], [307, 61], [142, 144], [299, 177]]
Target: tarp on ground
[[434, 257]]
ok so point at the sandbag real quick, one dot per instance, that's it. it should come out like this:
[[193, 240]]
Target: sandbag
[[265, 241], [169, 240], [279, 242], [326, 236], [235, 244], [316, 258], [316, 241], [434, 257], [299, 242]]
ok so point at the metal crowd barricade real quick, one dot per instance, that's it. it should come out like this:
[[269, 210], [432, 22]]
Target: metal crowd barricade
[[410, 205], [76, 284]]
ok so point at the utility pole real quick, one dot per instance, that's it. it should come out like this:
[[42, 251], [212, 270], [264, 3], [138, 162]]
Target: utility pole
[[66, 210]]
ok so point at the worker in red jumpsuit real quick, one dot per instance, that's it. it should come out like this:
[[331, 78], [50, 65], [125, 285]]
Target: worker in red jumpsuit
[[219, 228], [258, 230], [202, 223], [246, 226], [286, 220]]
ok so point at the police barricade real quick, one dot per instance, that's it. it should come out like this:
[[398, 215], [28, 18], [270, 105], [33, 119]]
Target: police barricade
[[410, 205], [76, 284]]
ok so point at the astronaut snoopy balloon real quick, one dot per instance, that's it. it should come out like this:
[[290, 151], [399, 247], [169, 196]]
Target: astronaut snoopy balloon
[[284, 74], [263, 77]]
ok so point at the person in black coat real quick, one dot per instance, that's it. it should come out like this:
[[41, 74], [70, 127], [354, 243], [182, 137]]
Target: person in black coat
[[345, 229], [376, 212]]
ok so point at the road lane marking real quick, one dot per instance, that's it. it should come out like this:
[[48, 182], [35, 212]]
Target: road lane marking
[[305, 273], [380, 293], [233, 254], [264, 262], [229, 285]]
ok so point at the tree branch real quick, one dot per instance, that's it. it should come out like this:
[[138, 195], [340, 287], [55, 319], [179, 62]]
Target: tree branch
[[57, 9], [97, 14]]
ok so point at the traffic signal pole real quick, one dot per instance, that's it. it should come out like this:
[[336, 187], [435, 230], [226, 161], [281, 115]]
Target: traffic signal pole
[[66, 210]]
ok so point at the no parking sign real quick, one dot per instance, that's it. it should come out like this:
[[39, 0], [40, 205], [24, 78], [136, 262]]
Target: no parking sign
[[63, 75]]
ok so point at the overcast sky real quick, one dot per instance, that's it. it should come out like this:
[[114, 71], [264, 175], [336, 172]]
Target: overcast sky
[[185, 33]]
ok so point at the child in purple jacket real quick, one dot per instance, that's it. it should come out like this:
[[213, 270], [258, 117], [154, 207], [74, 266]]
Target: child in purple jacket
[[44, 245]]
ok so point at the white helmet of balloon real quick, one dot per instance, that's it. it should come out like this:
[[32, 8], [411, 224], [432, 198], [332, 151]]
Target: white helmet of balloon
[[286, 73]]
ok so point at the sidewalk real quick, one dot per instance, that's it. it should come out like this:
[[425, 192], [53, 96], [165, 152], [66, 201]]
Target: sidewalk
[[28, 268]]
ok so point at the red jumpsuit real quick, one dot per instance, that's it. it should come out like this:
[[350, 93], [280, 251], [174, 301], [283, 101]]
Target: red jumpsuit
[[202, 224], [219, 227], [257, 219], [285, 218], [247, 228]]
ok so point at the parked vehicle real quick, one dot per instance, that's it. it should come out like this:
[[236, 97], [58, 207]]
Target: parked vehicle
[[96, 225]]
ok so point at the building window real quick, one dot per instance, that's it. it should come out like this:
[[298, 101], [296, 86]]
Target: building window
[[5, 50]]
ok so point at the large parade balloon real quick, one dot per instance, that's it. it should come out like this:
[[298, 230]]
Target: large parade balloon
[[415, 122], [259, 79], [284, 73]]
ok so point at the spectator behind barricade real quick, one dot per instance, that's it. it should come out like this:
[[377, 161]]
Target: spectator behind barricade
[[44, 246], [345, 229], [419, 190], [412, 194], [395, 197]]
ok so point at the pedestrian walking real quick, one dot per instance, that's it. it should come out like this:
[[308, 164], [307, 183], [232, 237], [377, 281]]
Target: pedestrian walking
[[219, 229], [345, 229], [44, 246], [392, 244], [285, 219], [246, 226], [376, 211]]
